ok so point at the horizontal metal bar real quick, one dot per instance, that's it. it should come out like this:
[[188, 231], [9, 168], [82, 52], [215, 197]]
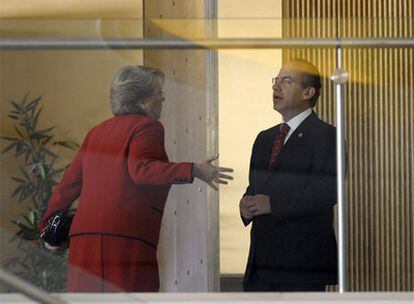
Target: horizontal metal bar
[[228, 43], [27, 289]]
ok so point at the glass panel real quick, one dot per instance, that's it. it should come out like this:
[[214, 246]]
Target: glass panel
[[73, 87], [216, 102]]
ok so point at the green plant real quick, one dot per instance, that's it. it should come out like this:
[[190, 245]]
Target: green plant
[[36, 151]]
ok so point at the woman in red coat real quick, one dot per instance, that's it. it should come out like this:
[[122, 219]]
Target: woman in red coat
[[122, 176]]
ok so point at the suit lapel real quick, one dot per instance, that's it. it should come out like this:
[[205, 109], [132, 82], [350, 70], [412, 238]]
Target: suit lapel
[[293, 142]]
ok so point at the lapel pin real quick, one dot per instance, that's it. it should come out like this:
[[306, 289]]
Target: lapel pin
[[300, 134]]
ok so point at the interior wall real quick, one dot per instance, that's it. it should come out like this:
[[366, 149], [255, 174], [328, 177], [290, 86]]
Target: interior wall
[[379, 108], [245, 109], [58, 9], [74, 85]]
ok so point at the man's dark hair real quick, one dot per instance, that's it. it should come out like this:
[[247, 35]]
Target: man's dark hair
[[310, 76]]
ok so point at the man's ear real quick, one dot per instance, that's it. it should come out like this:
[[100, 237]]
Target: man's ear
[[308, 93]]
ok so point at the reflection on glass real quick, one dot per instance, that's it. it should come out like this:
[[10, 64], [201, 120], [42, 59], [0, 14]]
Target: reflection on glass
[[74, 86], [121, 175]]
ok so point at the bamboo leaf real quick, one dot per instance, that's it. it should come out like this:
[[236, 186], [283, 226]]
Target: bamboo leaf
[[25, 173], [16, 106], [26, 157], [14, 238], [22, 194], [23, 226], [20, 149], [36, 135], [17, 190], [19, 180], [25, 98], [36, 118], [15, 117], [33, 104], [68, 144], [59, 171], [27, 123], [31, 236], [8, 148], [50, 153], [9, 138], [19, 132], [44, 131], [41, 134], [47, 139], [29, 217], [30, 226], [41, 170]]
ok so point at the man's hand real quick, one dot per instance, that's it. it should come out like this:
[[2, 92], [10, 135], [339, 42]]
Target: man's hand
[[211, 174], [244, 210], [258, 204]]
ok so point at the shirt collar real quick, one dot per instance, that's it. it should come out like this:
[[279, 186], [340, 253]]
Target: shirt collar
[[294, 122]]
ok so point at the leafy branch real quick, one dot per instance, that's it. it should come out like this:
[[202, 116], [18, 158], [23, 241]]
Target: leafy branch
[[36, 150]]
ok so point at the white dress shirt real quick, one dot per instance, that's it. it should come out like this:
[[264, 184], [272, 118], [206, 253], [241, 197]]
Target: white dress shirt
[[295, 122]]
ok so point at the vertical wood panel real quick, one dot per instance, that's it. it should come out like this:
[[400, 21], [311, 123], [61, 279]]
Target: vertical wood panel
[[185, 253], [379, 107]]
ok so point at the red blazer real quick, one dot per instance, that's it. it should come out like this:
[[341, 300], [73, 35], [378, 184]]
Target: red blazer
[[122, 176]]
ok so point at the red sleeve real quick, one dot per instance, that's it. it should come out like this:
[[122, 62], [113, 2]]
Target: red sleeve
[[147, 160], [67, 191]]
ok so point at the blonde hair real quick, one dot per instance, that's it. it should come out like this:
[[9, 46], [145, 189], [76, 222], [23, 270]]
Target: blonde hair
[[131, 84]]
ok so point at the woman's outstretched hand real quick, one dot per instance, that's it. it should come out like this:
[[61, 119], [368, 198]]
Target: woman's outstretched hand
[[211, 174]]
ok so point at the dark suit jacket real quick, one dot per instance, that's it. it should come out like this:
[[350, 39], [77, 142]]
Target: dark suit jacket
[[296, 242]]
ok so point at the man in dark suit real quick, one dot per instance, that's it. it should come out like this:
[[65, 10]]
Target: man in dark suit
[[292, 191]]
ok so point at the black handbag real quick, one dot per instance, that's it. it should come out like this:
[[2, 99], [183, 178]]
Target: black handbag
[[56, 232]]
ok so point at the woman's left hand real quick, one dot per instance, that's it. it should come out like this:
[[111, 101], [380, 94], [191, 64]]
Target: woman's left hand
[[211, 174], [56, 248]]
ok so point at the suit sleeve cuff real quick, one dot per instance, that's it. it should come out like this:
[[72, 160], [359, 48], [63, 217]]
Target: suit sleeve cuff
[[185, 174], [245, 221]]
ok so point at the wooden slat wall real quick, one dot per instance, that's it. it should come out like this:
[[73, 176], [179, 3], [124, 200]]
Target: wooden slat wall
[[379, 109], [188, 251]]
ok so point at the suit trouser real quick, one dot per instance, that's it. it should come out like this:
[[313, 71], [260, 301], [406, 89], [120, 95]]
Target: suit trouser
[[257, 284]]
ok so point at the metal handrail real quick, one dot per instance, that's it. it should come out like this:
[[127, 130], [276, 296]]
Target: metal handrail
[[228, 43], [222, 43], [340, 77]]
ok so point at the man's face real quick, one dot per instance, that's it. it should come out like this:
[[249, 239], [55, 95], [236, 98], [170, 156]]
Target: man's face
[[153, 104], [289, 96]]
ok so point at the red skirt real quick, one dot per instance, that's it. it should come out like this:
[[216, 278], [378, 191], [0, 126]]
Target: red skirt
[[107, 263]]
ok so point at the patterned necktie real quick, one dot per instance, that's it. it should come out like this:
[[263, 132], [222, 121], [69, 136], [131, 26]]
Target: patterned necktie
[[278, 144]]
